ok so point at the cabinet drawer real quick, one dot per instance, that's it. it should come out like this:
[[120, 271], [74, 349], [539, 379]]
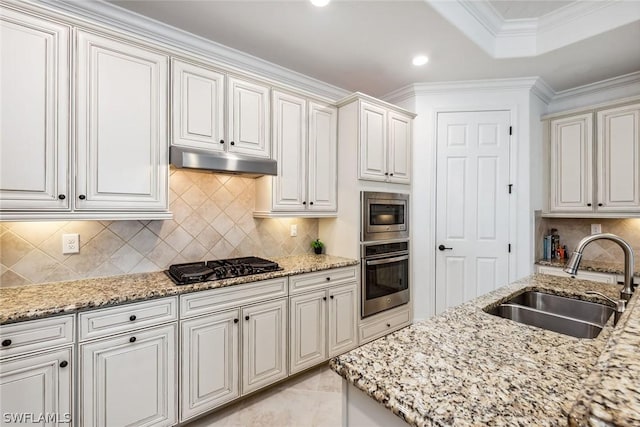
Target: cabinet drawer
[[384, 326], [220, 299], [35, 335], [321, 279], [115, 320]]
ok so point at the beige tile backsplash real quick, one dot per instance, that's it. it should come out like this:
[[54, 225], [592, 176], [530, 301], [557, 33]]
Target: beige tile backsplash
[[572, 230], [212, 219]]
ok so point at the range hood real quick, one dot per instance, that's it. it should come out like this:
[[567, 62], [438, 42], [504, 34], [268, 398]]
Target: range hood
[[237, 164]]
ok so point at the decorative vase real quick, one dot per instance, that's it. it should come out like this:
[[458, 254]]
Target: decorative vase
[[318, 251]]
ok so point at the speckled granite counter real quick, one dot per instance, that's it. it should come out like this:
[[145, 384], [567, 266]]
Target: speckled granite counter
[[35, 301], [466, 367], [595, 266]]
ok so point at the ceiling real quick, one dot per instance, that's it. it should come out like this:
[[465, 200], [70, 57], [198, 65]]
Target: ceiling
[[367, 46]]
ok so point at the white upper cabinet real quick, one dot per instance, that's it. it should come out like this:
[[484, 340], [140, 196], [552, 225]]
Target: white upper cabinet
[[249, 118], [323, 158], [122, 152], [399, 163], [198, 106], [572, 164], [373, 142], [34, 113], [618, 147]]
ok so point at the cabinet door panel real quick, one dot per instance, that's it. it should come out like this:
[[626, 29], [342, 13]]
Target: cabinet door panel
[[323, 158], [210, 351], [290, 135], [343, 334], [34, 113], [122, 152], [373, 142], [399, 148], [264, 344], [249, 118], [572, 164], [198, 107], [308, 345], [37, 386], [126, 382], [619, 159]]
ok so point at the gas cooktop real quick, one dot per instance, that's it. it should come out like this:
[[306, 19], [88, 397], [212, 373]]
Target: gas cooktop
[[195, 272]]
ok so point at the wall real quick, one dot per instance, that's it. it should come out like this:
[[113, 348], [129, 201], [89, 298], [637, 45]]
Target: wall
[[212, 219], [572, 230]]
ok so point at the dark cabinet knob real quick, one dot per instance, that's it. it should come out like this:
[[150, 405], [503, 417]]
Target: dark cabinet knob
[[328, 278], [132, 339], [390, 174], [235, 320], [588, 204], [222, 141], [600, 204], [64, 364], [82, 197], [132, 317], [386, 174], [388, 325], [246, 317], [331, 296], [324, 298], [232, 143], [310, 203], [304, 203], [61, 196], [6, 343]]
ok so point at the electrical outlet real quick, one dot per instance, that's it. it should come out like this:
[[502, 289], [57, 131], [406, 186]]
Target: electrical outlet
[[70, 243], [293, 230], [596, 228]]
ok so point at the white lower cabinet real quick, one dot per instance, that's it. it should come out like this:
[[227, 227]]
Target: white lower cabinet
[[343, 309], [130, 379], [264, 344], [210, 350], [37, 389]]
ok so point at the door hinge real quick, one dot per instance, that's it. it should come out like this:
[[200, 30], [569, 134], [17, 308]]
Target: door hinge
[[509, 248], [510, 188], [510, 130]]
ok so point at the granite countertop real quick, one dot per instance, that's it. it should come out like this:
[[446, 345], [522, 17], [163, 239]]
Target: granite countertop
[[35, 301], [595, 266], [467, 367]]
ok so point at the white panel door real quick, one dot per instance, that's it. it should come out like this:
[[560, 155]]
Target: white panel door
[[249, 118], [197, 107], [323, 157], [472, 205], [308, 330], [290, 141], [122, 152], [34, 113], [264, 344], [37, 386], [619, 159], [343, 306], [572, 164], [210, 362], [130, 380], [373, 142], [399, 148]]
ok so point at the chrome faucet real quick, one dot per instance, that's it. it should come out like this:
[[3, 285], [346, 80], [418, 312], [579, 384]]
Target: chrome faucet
[[572, 266]]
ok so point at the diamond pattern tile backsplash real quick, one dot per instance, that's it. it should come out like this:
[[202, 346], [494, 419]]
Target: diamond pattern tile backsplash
[[212, 219]]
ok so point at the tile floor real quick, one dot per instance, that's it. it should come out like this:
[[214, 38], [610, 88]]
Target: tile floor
[[313, 399]]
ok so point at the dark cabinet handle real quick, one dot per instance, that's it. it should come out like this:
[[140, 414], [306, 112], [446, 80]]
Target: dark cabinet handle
[[386, 174], [82, 197], [232, 143], [388, 325], [222, 141], [61, 196], [6, 343], [331, 296], [324, 298], [444, 248], [132, 339], [600, 204], [64, 364], [304, 203], [328, 278], [310, 203], [390, 174], [588, 204], [132, 317], [235, 320], [246, 317]]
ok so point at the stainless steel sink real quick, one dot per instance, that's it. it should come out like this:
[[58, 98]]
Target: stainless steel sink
[[569, 316]]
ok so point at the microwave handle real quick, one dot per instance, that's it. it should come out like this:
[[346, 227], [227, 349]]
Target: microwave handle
[[388, 260]]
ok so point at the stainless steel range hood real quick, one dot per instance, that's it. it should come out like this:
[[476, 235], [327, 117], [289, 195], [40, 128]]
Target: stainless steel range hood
[[253, 167]]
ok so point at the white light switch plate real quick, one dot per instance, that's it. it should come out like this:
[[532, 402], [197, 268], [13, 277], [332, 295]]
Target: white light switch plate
[[596, 228], [70, 243], [293, 230]]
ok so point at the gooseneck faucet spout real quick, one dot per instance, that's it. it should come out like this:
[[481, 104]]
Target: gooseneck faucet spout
[[574, 262]]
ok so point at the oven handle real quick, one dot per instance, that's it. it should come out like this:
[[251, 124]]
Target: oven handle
[[387, 260]]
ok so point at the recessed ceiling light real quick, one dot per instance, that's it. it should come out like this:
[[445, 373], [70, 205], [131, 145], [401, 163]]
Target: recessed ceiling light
[[320, 3], [419, 60]]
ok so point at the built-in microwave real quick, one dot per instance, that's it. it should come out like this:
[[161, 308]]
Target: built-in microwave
[[385, 216]]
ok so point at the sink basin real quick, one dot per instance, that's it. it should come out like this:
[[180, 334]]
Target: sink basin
[[569, 316]]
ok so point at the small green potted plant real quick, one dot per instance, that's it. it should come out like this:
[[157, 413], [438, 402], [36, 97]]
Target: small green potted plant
[[317, 246]]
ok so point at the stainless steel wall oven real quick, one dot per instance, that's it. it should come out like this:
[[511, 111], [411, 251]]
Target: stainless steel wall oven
[[385, 276], [385, 216]]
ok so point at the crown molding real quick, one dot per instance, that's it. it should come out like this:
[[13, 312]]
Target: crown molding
[[513, 38], [176, 41]]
